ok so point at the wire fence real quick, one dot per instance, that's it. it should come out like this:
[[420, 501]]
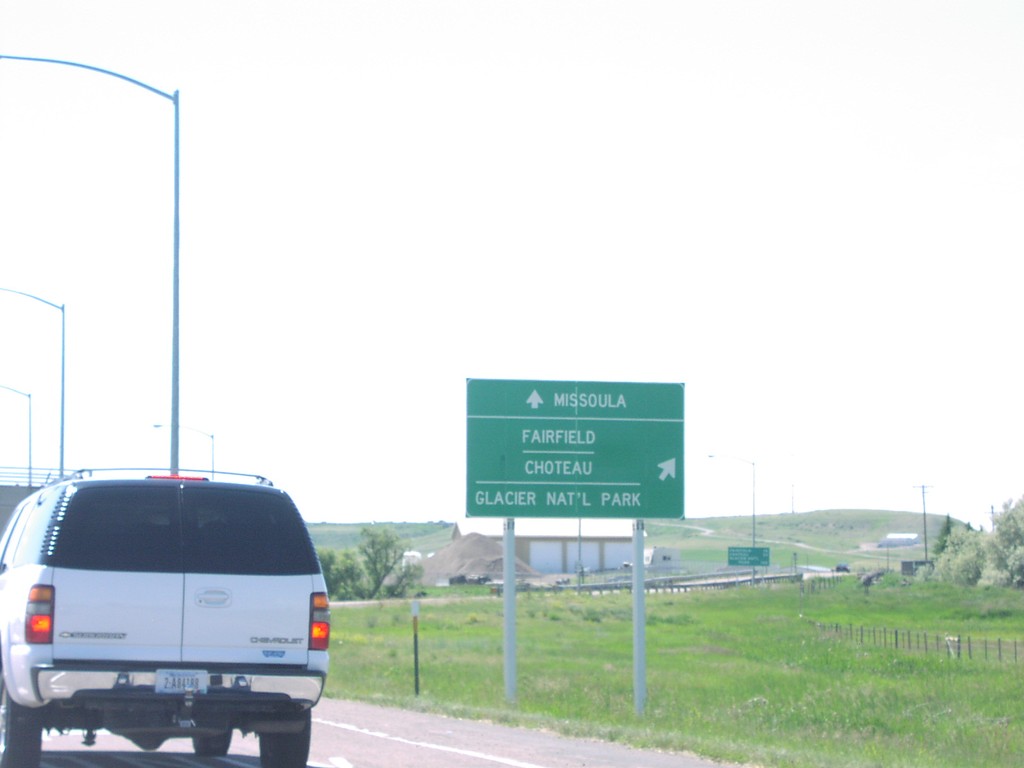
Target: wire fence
[[951, 646]]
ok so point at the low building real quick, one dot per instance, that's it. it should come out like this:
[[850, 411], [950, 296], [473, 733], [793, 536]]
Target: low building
[[663, 559], [899, 540], [911, 567], [411, 557], [561, 545]]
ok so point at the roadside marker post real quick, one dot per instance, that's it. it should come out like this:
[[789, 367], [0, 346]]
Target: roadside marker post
[[416, 644]]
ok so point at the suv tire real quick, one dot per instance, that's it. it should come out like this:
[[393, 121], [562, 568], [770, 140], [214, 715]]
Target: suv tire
[[285, 750], [21, 735], [212, 746]]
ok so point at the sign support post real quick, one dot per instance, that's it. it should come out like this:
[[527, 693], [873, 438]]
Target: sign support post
[[509, 595], [416, 645], [639, 620]]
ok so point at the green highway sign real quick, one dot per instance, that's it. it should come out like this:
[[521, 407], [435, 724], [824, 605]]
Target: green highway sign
[[574, 449], [749, 556]]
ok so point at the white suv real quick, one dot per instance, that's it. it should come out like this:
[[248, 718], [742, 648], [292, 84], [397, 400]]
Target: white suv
[[157, 608]]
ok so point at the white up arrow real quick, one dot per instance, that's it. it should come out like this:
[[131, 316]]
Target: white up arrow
[[668, 469], [534, 400]]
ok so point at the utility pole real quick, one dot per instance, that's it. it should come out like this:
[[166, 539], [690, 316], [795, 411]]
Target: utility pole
[[924, 514]]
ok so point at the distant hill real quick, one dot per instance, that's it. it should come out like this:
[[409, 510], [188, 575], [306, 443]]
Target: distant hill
[[822, 538], [422, 537]]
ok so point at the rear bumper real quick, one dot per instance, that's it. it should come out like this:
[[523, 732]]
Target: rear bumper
[[302, 688]]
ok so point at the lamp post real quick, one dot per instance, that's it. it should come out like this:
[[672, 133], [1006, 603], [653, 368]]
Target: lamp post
[[173, 98], [63, 326], [753, 498], [213, 465], [29, 396]]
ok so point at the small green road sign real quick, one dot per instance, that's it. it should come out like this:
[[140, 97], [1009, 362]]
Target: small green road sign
[[574, 449], [749, 556]]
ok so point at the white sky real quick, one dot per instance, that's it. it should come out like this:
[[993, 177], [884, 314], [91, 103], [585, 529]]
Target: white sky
[[807, 211]]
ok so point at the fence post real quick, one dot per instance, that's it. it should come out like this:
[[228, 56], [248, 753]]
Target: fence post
[[914, 640]]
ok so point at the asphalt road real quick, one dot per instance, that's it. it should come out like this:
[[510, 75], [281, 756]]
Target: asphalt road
[[353, 735]]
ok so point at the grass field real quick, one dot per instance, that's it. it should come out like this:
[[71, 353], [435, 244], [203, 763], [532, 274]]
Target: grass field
[[742, 675]]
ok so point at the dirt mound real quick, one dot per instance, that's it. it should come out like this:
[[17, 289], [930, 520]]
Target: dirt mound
[[472, 555]]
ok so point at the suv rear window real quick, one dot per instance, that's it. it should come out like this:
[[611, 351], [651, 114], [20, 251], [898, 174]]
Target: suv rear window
[[244, 531], [117, 528], [162, 528]]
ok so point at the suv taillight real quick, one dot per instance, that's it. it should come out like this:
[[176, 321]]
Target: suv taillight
[[319, 622], [39, 615]]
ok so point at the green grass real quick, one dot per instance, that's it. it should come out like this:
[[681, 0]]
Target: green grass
[[738, 675]]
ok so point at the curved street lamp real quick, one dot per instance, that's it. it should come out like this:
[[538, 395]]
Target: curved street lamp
[[173, 98], [29, 396], [63, 326]]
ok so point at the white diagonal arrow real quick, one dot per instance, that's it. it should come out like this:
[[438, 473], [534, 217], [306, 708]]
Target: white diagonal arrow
[[668, 469], [534, 400]]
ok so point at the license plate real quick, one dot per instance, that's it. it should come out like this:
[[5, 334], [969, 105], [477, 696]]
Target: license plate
[[181, 680]]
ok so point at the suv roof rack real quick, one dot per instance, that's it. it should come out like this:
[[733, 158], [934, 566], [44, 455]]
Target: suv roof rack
[[162, 473]]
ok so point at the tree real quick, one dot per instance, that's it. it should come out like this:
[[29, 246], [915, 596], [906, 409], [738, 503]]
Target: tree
[[402, 578], [374, 569], [383, 563], [947, 528], [1006, 544], [343, 574], [963, 557]]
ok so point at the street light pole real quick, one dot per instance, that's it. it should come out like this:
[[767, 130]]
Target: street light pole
[[213, 454], [753, 504], [174, 99], [29, 396], [63, 328], [924, 515]]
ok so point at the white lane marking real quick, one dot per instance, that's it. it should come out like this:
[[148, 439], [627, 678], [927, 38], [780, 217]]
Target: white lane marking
[[427, 745], [341, 762]]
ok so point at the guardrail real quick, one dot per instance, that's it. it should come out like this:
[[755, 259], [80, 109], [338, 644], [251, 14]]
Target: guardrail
[[666, 584], [20, 476]]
